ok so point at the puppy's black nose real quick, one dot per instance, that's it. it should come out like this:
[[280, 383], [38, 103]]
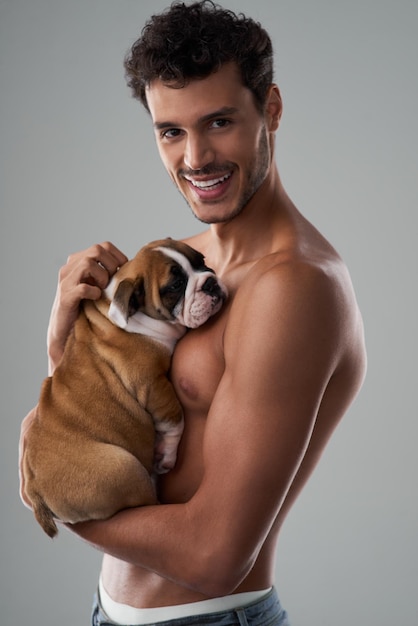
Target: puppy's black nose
[[210, 286]]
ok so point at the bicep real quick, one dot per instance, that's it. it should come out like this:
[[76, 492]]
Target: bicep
[[279, 358]]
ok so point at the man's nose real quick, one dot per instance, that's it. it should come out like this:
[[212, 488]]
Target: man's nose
[[198, 152]]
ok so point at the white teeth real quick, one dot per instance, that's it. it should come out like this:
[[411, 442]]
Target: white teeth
[[205, 184]]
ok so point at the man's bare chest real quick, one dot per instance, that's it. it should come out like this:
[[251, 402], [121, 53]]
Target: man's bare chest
[[198, 365], [197, 368]]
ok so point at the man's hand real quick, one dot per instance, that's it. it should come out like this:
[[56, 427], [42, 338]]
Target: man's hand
[[84, 276]]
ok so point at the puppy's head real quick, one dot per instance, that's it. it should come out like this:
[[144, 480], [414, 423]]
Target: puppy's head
[[167, 280]]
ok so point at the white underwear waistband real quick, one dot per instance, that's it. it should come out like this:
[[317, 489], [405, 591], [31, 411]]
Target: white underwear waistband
[[125, 614]]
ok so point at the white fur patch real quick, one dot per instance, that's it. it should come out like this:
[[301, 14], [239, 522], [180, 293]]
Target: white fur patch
[[116, 316]]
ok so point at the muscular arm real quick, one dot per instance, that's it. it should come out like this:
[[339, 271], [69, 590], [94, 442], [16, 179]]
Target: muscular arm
[[282, 345]]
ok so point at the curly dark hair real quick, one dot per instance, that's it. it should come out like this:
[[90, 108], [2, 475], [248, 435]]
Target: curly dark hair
[[188, 42]]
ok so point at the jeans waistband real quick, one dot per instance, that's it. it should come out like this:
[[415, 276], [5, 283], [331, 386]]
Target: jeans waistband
[[124, 614], [266, 611]]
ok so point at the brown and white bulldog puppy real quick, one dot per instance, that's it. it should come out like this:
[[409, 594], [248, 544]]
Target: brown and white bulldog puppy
[[109, 417]]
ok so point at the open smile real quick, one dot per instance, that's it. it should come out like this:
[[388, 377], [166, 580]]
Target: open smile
[[209, 187], [209, 184]]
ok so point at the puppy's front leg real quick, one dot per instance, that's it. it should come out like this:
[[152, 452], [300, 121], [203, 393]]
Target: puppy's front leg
[[165, 409], [166, 444]]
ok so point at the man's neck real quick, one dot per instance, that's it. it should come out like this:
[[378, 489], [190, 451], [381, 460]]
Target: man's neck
[[255, 232]]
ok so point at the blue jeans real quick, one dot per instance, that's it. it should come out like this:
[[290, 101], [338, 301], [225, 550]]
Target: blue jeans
[[264, 612]]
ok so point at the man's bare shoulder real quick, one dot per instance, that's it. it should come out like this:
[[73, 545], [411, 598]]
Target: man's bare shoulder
[[307, 298], [314, 276]]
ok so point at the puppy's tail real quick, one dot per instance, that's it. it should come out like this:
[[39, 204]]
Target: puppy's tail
[[44, 516]]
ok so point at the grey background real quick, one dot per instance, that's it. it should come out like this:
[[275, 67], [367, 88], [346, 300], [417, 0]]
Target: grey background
[[79, 166]]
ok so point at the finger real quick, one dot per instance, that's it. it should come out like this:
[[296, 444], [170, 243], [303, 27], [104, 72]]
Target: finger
[[113, 258], [92, 272], [93, 266], [85, 291], [106, 255]]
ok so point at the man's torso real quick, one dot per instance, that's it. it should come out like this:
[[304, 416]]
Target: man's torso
[[197, 368]]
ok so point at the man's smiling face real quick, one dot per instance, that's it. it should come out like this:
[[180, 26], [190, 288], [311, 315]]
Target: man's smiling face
[[213, 142]]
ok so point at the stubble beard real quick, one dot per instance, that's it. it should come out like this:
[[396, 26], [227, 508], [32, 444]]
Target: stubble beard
[[257, 173]]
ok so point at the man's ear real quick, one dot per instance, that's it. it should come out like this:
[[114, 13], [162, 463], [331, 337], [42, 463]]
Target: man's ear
[[128, 299], [274, 108]]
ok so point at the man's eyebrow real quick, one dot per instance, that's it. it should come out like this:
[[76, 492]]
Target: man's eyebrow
[[205, 118]]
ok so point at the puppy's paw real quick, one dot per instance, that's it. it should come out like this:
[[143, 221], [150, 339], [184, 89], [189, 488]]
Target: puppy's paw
[[165, 451], [161, 466], [164, 455]]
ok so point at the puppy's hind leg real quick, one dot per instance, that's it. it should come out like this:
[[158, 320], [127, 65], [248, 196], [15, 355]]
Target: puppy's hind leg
[[117, 480]]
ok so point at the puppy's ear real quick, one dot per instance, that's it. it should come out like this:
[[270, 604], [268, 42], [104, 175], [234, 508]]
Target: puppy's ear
[[128, 299]]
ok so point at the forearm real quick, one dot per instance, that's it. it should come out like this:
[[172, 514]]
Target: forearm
[[158, 538], [168, 540], [26, 423]]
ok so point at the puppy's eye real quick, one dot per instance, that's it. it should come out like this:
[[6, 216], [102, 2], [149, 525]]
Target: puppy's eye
[[178, 279], [177, 285]]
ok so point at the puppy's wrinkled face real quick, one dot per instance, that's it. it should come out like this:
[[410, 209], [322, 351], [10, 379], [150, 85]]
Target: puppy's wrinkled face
[[167, 280], [202, 294]]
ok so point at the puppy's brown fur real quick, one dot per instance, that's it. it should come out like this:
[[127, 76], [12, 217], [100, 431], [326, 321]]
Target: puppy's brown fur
[[90, 450]]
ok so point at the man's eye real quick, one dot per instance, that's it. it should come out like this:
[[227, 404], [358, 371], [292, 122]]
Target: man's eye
[[171, 133], [222, 123]]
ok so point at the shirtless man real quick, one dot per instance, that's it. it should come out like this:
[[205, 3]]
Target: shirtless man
[[264, 384]]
